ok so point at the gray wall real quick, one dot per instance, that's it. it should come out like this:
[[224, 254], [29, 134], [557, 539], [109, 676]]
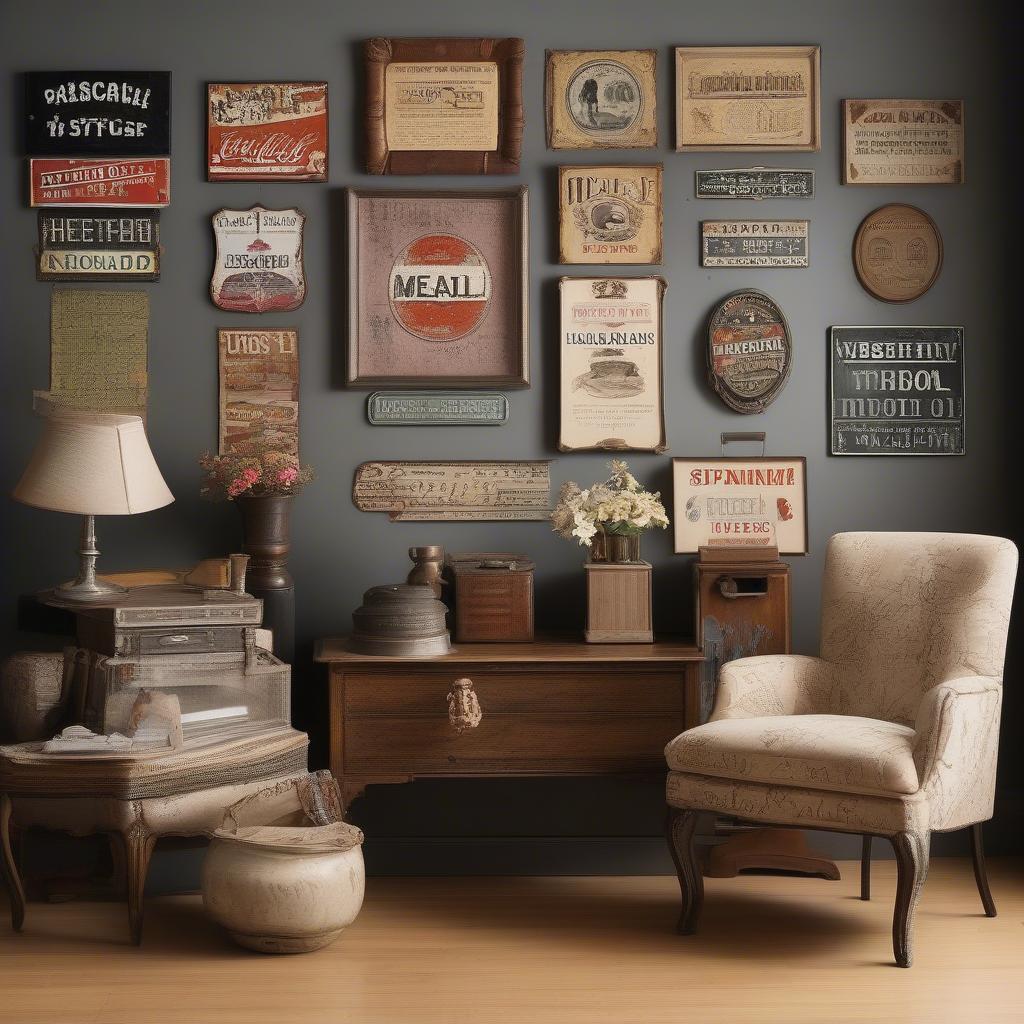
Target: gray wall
[[934, 48]]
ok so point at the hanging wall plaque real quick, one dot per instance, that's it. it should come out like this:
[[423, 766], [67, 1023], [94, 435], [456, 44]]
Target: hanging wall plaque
[[897, 253], [754, 243], [145, 182], [111, 246], [750, 351], [437, 408], [98, 113], [754, 183], [258, 265]]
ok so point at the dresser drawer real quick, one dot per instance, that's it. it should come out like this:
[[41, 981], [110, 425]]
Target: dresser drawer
[[191, 641]]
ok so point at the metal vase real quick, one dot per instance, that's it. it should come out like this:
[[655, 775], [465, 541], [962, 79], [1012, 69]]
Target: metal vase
[[266, 540]]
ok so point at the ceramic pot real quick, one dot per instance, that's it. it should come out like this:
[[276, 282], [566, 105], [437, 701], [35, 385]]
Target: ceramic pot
[[276, 899], [266, 540]]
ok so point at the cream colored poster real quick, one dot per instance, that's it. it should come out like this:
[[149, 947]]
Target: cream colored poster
[[449, 106], [611, 364]]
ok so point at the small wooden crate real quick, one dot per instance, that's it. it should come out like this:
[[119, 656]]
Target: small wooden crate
[[619, 603]]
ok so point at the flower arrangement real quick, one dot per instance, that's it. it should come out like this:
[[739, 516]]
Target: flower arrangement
[[618, 506], [258, 472]]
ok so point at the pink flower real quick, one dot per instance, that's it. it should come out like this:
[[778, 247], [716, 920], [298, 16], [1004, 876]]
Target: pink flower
[[243, 482], [287, 476]]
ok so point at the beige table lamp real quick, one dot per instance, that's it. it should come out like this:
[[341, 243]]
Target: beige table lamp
[[93, 464]]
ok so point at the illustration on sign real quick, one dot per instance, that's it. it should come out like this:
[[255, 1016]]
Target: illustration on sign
[[754, 243], [437, 408], [897, 253], [258, 266], [897, 390], [266, 131], [120, 183], [98, 113], [79, 246], [754, 183]]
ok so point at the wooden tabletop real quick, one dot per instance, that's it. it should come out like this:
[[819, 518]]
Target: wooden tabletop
[[543, 649]]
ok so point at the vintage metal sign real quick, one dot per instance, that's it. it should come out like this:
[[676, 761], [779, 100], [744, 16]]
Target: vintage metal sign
[[258, 265], [98, 113], [79, 246], [754, 183], [750, 351], [267, 131], [437, 408], [145, 182], [454, 490], [754, 243], [897, 252], [897, 390]]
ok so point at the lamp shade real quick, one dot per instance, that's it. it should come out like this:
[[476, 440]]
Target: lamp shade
[[93, 464]]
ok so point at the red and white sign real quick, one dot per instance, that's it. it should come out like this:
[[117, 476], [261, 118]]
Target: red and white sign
[[144, 182], [440, 288]]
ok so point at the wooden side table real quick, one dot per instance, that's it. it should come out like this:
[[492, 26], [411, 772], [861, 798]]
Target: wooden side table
[[555, 706]]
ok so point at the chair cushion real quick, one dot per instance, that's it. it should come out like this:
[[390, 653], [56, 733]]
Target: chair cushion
[[839, 753]]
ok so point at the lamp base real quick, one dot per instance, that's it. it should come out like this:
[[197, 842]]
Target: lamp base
[[88, 590]]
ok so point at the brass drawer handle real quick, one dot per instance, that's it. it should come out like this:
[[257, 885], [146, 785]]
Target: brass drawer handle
[[177, 638], [463, 706]]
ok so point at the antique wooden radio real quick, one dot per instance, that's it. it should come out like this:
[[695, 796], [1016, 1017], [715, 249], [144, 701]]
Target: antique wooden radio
[[491, 595]]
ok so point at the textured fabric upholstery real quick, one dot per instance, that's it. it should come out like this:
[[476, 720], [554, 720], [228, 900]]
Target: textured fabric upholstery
[[895, 724]]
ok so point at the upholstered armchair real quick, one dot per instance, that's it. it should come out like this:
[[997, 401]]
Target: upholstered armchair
[[891, 732]]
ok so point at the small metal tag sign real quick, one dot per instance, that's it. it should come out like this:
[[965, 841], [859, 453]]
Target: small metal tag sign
[[754, 243], [110, 245], [437, 408], [755, 183]]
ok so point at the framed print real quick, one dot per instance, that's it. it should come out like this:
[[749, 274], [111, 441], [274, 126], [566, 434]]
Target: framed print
[[754, 243], [266, 131], [897, 391], [79, 245], [903, 142], [438, 288], [730, 502], [611, 345], [601, 99], [444, 106], [609, 214], [145, 182], [748, 98], [897, 253]]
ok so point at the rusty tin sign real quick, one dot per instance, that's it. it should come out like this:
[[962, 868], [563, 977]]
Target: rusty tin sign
[[103, 246], [145, 182], [258, 266]]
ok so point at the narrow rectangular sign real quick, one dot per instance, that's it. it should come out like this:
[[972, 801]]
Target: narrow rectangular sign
[[897, 390], [437, 408], [755, 183], [143, 182], [754, 243], [101, 246]]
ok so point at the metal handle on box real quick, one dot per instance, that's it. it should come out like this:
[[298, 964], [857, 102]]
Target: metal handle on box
[[177, 638], [740, 436]]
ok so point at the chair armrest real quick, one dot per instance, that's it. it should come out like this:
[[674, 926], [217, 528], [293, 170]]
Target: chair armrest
[[772, 684]]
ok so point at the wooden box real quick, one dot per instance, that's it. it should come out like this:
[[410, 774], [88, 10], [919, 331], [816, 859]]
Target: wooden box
[[619, 603], [492, 596]]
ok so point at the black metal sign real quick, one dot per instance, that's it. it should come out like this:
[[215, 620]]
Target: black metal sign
[[897, 390], [755, 183], [98, 113], [105, 245]]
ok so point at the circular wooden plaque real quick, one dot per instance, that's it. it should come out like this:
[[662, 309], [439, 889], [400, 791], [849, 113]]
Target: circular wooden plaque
[[897, 253]]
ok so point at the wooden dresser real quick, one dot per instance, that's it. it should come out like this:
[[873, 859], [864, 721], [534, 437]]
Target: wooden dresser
[[550, 707]]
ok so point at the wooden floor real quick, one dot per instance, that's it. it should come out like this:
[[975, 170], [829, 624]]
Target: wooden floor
[[539, 950]]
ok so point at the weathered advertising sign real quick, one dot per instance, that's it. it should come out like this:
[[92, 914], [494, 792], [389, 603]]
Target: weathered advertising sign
[[754, 243], [145, 182], [755, 183], [437, 408], [101, 246]]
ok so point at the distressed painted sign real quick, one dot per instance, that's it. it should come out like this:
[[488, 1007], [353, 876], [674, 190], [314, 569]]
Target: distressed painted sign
[[897, 390], [98, 113], [145, 182], [754, 243], [754, 183], [105, 246], [437, 408], [258, 265]]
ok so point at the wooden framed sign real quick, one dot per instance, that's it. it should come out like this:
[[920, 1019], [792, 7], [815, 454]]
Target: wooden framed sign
[[754, 183], [611, 344], [903, 142], [730, 502], [145, 182], [444, 106], [610, 214], [897, 253], [750, 351], [601, 99], [748, 98], [266, 131], [98, 113], [438, 288], [754, 243], [259, 388], [897, 391], [80, 246], [258, 266]]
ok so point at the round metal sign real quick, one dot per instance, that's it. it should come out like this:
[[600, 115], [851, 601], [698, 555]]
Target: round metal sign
[[440, 287], [750, 350], [897, 253]]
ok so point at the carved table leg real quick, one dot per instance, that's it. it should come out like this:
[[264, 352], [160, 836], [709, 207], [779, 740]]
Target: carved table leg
[[980, 871], [681, 827], [137, 844], [865, 867], [912, 867], [10, 865]]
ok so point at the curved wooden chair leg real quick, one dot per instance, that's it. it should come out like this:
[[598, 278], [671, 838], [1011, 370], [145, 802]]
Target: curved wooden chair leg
[[10, 865], [681, 828], [980, 870], [137, 844], [865, 867], [912, 866]]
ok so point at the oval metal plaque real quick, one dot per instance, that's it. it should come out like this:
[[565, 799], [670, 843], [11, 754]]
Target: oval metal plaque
[[897, 253], [750, 350]]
